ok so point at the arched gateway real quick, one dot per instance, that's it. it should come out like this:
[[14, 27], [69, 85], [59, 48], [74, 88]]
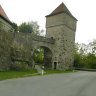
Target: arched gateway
[[46, 56], [58, 44], [32, 42]]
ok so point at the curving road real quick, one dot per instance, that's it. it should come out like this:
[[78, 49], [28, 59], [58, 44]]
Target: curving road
[[69, 84]]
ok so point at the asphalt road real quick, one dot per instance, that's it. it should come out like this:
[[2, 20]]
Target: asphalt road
[[69, 84]]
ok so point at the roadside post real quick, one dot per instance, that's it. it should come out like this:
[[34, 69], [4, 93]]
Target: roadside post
[[42, 70]]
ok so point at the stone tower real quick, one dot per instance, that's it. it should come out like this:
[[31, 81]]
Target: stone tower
[[61, 25]]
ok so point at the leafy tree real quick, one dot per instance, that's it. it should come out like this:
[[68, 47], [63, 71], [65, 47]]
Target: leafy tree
[[78, 56], [15, 27], [92, 46], [30, 27], [25, 28], [35, 27], [85, 55], [39, 56], [90, 61]]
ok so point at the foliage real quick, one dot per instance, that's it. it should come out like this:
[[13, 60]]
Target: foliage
[[35, 27], [25, 28], [39, 56], [85, 56], [78, 60], [90, 61], [30, 27], [92, 47], [15, 27]]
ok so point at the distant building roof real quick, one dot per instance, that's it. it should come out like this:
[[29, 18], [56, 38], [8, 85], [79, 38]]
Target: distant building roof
[[61, 9], [2, 12], [3, 15]]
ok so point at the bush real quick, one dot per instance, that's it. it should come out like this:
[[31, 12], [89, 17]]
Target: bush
[[19, 66], [91, 61], [85, 61]]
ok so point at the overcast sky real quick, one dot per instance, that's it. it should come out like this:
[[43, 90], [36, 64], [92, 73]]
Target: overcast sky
[[19, 11]]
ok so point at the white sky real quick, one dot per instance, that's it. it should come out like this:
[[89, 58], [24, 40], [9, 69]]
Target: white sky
[[19, 11]]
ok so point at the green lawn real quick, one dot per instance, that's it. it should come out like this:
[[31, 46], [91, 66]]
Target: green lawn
[[58, 71], [16, 74]]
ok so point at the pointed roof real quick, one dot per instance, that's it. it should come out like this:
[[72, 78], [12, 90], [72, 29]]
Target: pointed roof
[[61, 9]]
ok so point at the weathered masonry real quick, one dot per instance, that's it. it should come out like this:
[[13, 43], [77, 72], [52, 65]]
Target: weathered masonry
[[6, 23], [58, 44]]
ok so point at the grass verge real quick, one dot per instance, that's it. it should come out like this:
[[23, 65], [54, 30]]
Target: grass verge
[[16, 74], [58, 71], [19, 74]]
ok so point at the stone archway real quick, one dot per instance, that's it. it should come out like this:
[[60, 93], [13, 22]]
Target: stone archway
[[47, 57]]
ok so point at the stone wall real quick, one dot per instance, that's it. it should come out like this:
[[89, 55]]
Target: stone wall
[[24, 46], [5, 50], [59, 40], [6, 26]]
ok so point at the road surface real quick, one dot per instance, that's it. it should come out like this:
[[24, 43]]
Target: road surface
[[69, 84]]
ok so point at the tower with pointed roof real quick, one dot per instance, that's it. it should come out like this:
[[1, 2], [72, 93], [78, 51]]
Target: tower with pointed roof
[[4, 20], [58, 44], [61, 25]]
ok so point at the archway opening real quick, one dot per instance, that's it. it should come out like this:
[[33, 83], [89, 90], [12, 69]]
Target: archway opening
[[43, 56]]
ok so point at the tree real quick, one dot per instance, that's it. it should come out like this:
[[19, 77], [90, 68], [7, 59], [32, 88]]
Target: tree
[[90, 61], [35, 27], [92, 46], [25, 28], [15, 27], [39, 56], [78, 56], [30, 27], [85, 55]]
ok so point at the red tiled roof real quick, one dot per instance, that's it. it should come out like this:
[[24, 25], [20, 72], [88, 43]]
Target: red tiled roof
[[61, 9], [2, 13]]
